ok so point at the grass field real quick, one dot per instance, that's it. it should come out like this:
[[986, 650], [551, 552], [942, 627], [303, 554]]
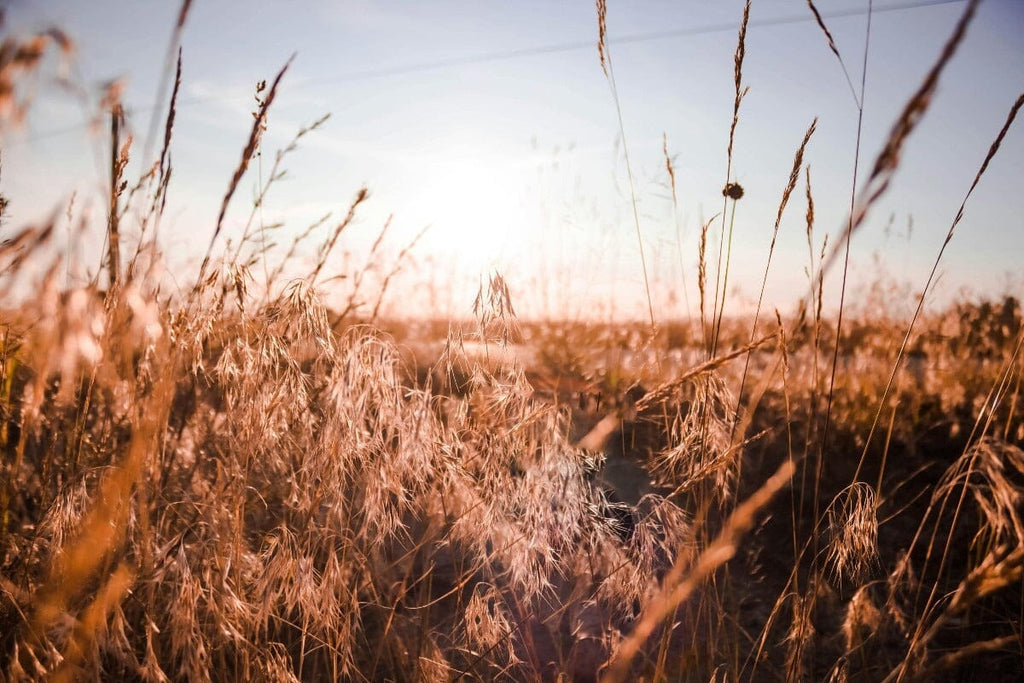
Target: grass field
[[239, 483]]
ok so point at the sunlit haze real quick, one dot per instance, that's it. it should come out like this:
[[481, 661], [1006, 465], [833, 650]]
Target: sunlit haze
[[493, 126]]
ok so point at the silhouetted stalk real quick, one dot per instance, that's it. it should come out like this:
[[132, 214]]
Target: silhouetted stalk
[[606, 65]]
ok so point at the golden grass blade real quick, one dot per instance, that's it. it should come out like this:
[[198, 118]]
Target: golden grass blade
[[950, 661], [327, 247], [169, 126], [832, 46], [1001, 568], [92, 622], [828, 34], [161, 92], [681, 581], [399, 261], [250, 148], [794, 175], [666, 389], [737, 58], [889, 158]]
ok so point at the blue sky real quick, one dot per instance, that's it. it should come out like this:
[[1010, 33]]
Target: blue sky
[[494, 124]]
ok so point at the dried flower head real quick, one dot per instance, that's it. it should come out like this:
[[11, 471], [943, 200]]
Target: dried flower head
[[733, 191], [853, 527]]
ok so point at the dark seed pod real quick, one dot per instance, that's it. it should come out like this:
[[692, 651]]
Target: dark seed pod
[[733, 191]]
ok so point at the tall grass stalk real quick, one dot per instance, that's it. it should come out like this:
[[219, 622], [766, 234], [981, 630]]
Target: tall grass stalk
[[731, 190], [794, 176], [606, 64], [845, 239]]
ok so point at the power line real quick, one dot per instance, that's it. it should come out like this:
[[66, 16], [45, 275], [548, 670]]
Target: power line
[[591, 44], [506, 55]]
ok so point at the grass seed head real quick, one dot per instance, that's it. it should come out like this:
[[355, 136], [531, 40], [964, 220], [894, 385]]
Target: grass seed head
[[853, 534]]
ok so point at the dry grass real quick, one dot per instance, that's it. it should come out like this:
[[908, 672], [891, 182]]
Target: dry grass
[[239, 483]]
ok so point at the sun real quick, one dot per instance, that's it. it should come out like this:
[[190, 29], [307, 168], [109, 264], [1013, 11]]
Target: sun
[[474, 210]]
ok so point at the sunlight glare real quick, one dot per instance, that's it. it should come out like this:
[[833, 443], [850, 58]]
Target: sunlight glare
[[475, 213]]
